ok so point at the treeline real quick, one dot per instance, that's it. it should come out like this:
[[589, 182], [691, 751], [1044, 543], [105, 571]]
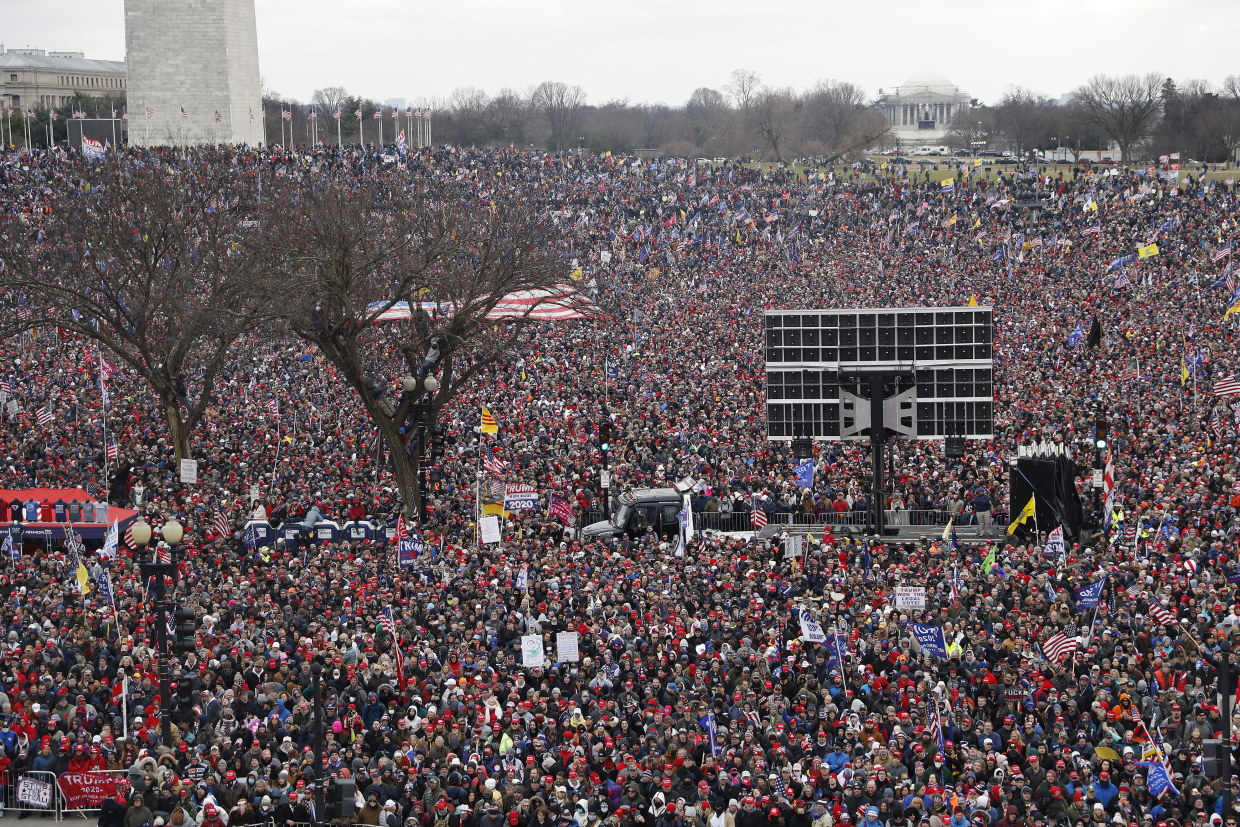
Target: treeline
[[1144, 117]]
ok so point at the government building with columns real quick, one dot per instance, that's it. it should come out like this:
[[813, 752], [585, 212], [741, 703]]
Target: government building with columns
[[923, 108]]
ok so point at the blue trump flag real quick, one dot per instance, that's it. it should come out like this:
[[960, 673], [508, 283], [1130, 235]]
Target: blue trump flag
[[1075, 336], [708, 723], [410, 549], [1088, 597], [1157, 781], [250, 539], [105, 589], [805, 473], [930, 638]]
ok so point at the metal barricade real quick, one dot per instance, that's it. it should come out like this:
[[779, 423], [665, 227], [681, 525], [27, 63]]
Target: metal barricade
[[85, 811], [13, 781]]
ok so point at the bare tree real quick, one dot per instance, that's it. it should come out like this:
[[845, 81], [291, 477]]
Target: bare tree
[[507, 116], [329, 99], [614, 127], [654, 119], [744, 85], [561, 105], [468, 106], [1021, 114], [1221, 126], [708, 106], [1125, 109], [149, 264], [772, 113], [343, 254], [1231, 87], [838, 115]]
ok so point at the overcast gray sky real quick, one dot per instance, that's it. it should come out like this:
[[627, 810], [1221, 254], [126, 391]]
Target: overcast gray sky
[[660, 51]]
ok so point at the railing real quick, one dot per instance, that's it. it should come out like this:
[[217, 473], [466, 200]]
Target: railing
[[893, 518], [11, 782]]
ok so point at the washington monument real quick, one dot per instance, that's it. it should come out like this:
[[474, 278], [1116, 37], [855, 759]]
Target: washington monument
[[193, 72]]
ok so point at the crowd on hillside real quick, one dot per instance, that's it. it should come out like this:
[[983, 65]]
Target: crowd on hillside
[[695, 698]]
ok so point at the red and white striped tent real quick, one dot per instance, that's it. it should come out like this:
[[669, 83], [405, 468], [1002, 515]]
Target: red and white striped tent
[[559, 302], [553, 304]]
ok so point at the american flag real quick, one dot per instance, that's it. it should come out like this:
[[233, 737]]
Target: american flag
[[184, 114], [402, 531], [287, 114], [1218, 426], [1227, 387], [1122, 282], [105, 368], [378, 114], [386, 622], [336, 114], [150, 113], [311, 116], [114, 451], [45, 415], [6, 385], [934, 723], [1222, 252], [218, 117], [1061, 644], [129, 540], [358, 113], [1160, 613], [220, 524], [274, 406], [163, 554], [54, 115], [758, 518], [492, 464]]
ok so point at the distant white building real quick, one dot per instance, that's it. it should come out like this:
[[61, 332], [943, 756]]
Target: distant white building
[[923, 108]]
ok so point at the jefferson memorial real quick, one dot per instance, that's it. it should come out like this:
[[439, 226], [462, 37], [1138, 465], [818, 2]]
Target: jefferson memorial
[[923, 108]]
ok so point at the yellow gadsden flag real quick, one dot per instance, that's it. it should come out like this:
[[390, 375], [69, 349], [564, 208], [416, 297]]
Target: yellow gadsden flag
[[83, 578], [1030, 510], [1235, 308], [489, 425], [1147, 251]]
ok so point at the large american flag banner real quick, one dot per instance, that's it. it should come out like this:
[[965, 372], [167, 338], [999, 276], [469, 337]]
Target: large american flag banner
[[492, 463], [220, 524], [1160, 613], [1061, 644], [757, 517]]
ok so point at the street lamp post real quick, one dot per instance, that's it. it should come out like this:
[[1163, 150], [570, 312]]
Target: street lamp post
[[152, 569], [420, 412], [1228, 692], [316, 683]]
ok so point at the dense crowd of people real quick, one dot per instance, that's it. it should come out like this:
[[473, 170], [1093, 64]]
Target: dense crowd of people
[[696, 696]]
